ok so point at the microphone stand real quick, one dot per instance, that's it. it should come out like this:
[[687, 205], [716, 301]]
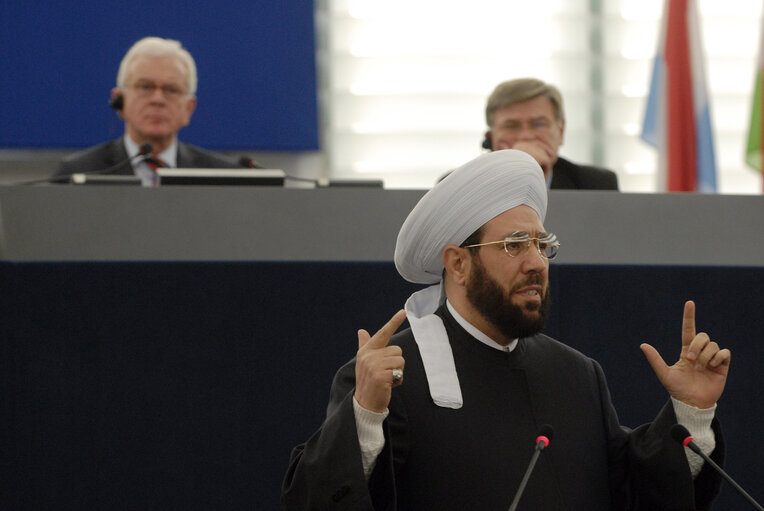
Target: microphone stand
[[540, 445]]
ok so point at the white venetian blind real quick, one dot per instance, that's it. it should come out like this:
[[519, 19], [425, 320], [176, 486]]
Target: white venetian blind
[[404, 82]]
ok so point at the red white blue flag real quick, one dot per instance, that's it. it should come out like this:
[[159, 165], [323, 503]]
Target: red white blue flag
[[678, 117]]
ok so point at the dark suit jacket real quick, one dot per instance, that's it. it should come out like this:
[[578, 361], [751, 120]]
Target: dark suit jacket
[[567, 175], [107, 155]]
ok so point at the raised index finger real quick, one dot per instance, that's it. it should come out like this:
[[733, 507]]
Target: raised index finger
[[688, 323], [382, 337]]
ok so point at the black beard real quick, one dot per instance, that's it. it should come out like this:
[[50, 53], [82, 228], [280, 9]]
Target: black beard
[[489, 299]]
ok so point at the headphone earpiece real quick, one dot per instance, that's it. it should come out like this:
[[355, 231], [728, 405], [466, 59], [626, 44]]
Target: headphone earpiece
[[487, 142], [117, 102]]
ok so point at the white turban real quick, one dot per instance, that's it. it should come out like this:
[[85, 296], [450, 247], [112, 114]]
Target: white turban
[[448, 214], [459, 205]]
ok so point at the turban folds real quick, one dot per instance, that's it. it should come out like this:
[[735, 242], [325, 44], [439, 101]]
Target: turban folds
[[460, 204]]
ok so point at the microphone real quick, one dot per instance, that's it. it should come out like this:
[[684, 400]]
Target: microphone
[[542, 442], [249, 163], [252, 164], [144, 149], [681, 435]]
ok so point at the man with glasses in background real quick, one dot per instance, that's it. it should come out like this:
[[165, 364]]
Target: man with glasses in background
[[481, 382], [527, 114], [156, 97]]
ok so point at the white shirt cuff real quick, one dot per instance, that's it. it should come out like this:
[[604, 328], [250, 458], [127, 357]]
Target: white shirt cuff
[[371, 437], [698, 423]]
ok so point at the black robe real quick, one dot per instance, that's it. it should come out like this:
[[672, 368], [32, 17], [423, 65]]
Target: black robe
[[474, 457]]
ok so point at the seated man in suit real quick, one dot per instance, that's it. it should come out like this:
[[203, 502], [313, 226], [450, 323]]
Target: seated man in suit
[[155, 96], [527, 114]]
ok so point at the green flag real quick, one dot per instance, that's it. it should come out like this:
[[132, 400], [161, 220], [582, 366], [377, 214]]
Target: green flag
[[753, 148]]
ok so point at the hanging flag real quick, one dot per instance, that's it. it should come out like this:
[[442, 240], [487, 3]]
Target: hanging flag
[[755, 132], [678, 117]]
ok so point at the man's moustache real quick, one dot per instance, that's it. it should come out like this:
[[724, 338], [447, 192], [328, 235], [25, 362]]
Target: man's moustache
[[533, 280]]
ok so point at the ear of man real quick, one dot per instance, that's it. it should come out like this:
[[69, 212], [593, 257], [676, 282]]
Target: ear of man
[[117, 101], [456, 263]]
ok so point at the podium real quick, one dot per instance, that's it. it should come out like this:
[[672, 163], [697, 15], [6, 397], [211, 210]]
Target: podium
[[167, 347]]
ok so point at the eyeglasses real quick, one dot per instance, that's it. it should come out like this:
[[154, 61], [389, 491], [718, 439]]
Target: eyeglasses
[[537, 125], [147, 89], [517, 243]]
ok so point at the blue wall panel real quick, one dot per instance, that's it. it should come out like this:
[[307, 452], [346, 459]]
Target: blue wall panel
[[256, 63]]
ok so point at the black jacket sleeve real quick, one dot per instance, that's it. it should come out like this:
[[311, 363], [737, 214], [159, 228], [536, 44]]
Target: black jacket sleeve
[[326, 472]]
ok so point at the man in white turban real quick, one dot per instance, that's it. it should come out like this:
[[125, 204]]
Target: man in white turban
[[481, 382]]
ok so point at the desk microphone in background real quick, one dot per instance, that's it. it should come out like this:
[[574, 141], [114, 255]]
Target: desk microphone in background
[[681, 435], [249, 163], [143, 150], [542, 442]]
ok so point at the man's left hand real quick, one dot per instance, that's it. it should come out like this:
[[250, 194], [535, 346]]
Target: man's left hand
[[698, 377]]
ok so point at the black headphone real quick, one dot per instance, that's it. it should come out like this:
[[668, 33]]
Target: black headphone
[[486, 141], [117, 102]]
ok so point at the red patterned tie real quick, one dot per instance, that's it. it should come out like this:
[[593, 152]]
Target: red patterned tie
[[154, 164]]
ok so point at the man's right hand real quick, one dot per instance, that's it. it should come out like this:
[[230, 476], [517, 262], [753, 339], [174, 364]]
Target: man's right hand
[[541, 151], [374, 365]]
